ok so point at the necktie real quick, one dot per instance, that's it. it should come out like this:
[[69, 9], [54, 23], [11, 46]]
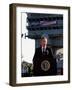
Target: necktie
[[43, 50]]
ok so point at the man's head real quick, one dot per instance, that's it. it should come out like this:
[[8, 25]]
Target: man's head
[[43, 41]]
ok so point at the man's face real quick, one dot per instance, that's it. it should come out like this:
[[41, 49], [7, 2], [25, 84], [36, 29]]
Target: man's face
[[44, 42]]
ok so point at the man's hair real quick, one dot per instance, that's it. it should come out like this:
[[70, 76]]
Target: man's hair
[[44, 37]]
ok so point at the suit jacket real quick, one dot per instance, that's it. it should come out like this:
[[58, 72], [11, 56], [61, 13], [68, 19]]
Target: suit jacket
[[39, 57]]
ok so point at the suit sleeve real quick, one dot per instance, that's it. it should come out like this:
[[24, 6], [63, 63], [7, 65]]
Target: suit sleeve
[[51, 53], [35, 61], [54, 62], [35, 56]]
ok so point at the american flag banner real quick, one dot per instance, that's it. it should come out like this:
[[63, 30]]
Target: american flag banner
[[47, 23], [44, 23]]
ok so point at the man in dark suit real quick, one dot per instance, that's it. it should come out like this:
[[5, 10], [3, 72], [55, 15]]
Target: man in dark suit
[[43, 62]]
